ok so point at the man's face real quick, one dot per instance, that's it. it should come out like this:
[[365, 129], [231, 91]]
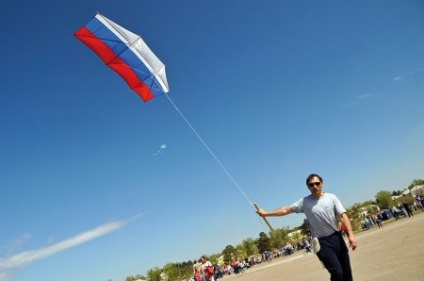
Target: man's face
[[315, 186]]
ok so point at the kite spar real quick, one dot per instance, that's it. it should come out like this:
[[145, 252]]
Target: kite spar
[[264, 218], [128, 55]]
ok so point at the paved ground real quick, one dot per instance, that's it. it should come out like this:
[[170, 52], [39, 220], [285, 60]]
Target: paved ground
[[393, 252]]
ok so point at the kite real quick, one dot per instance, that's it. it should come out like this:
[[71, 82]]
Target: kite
[[127, 54], [161, 150]]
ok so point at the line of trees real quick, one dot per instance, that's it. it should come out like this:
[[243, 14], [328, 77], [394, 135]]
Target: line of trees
[[274, 240]]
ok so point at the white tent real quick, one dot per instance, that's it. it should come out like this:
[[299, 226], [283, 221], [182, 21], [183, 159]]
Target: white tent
[[417, 190], [405, 193]]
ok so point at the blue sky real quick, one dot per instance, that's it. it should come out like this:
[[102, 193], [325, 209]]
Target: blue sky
[[97, 184]]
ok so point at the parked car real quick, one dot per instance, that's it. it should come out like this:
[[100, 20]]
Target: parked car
[[386, 214]]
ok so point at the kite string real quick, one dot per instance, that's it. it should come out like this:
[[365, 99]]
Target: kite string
[[210, 151]]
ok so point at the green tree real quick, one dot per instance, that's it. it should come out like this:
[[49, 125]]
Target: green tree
[[187, 269], [240, 252], [214, 258], [277, 238], [355, 215], [416, 182], [305, 228], [154, 274], [249, 246], [229, 253], [406, 199], [264, 243], [384, 199], [367, 203], [172, 271]]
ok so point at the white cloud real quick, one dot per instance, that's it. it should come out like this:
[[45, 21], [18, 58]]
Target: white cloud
[[416, 73], [8, 264], [397, 78], [17, 243], [359, 98], [364, 96]]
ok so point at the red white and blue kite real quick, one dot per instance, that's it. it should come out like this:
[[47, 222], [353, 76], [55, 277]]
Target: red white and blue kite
[[127, 54]]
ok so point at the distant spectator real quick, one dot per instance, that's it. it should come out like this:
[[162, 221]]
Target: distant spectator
[[407, 209], [218, 272], [205, 268], [378, 220], [289, 249], [197, 276], [395, 212], [420, 202]]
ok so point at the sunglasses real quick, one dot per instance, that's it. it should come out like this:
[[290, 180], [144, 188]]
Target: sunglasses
[[313, 184]]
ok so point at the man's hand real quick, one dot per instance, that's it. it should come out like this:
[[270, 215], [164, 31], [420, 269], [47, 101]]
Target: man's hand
[[261, 212], [352, 242]]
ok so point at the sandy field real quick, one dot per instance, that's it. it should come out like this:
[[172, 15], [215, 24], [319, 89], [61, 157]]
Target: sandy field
[[393, 252]]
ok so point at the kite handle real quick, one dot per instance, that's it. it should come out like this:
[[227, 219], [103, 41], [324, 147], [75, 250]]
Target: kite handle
[[264, 218]]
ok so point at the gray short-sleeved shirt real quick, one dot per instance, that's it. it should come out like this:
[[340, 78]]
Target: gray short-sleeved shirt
[[321, 213]]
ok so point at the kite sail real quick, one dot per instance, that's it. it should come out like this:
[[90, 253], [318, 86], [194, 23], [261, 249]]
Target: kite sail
[[127, 54]]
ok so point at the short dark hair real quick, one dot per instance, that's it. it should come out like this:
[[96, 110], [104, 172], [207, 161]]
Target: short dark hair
[[312, 176]]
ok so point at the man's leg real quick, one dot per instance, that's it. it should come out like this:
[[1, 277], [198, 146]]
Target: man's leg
[[345, 260], [328, 256]]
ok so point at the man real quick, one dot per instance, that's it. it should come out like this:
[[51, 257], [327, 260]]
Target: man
[[207, 270], [322, 211], [407, 209]]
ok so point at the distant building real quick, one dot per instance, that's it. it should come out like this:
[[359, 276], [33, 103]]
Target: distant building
[[369, 210], [295, 234], [417, 190]]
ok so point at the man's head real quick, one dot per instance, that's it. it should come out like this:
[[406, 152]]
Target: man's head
[[315, 183], [203, 259]]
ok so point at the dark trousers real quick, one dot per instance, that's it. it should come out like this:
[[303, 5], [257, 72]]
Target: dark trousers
[[334, 254]]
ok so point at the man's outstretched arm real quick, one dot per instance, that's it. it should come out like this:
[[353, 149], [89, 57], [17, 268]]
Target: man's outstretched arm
[[283, 211]]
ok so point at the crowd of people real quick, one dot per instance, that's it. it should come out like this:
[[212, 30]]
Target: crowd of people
[[201, 273], [400, 210], [205, 271], [239, 267]]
